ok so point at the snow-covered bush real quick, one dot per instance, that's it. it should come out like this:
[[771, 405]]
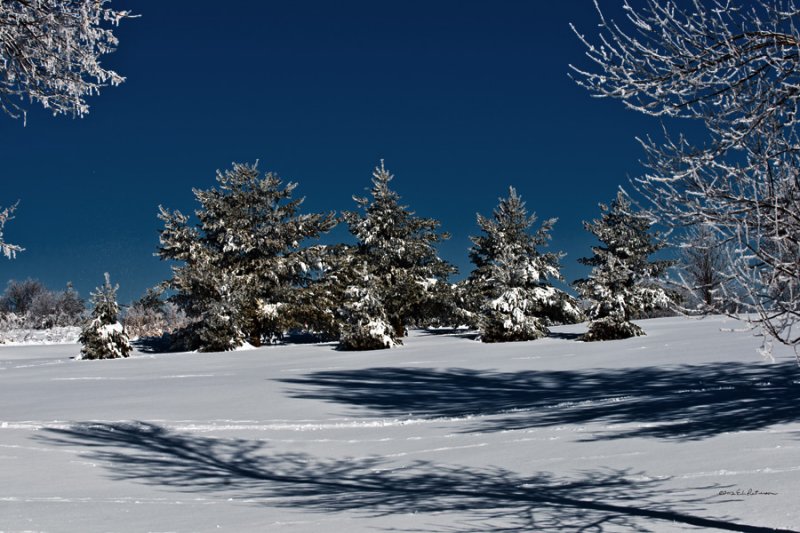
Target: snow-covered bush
[[19, 295], [10, 321], [33, 306], [150, 316], [510, 283], [103, 337], [623, 282]]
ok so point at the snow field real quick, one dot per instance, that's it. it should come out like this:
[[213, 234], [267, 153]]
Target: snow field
[[442, 434]]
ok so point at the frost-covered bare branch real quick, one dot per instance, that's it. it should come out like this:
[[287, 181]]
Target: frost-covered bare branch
[[50, 53], [733, 66], [8, 250]]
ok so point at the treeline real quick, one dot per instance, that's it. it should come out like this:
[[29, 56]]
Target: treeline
[[248, 267], [29, 304]]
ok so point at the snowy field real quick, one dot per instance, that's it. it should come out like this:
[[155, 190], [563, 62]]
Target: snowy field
[[657, 433]]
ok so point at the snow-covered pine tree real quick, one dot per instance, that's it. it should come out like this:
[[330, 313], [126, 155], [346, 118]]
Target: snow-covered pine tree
[[103, 337], [622, 283], [365, 325], [398, 251], [511, 277], [242, 264]]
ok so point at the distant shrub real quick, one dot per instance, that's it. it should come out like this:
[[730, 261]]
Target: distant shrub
[[150, 316], [29, 304], [19, 296]]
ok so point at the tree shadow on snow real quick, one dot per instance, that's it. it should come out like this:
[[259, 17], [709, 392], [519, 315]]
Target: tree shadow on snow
[[564, 335], [153, 345], [680, 402], [485, 499], [460, 333]]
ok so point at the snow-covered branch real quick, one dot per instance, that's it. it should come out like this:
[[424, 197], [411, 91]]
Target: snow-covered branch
[[8, 250], [735, 67], [50, 53]]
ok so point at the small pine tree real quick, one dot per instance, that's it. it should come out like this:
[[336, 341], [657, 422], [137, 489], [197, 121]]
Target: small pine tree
[[622, 282], [103, 337], [71, 306], [397, 249], [511, 278]]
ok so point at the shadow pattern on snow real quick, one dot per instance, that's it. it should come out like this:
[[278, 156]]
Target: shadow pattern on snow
[[680, 402], [487, 499]]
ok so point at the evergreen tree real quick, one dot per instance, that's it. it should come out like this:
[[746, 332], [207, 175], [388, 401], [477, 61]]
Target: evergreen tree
[[242, 265], [510, 284], [622, 282], [366, 326], [71, 306], [318, 309], [398, 251], [103, 337]]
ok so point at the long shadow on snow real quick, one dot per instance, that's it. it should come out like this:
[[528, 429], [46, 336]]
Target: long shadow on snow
[[155, 455], [680, 402]]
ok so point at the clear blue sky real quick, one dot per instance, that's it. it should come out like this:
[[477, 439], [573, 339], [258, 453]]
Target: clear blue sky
[[461, 98]]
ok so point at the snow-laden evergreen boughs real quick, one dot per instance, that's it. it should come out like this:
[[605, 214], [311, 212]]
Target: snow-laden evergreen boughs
[[103, 337], [365, 324], [7, 249], [509, 317], [510, 283], [622, 283], [315, 310], [50, 53], [242, 265], [398, 251]]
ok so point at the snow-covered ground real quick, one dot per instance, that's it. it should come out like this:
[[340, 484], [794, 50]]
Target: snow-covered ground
[[660, 433], [25, 337]]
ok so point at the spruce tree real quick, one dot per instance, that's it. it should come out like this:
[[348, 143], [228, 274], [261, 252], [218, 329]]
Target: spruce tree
[[103, 337], [241, 266], [510, 285], [622, 283], [398, 250], [365, 324]]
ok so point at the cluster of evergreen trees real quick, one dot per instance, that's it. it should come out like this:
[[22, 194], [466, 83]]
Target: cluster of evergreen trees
[[243, 270]]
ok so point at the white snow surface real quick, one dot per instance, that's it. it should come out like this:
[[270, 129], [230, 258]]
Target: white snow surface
[[686, 428], [24, 336]]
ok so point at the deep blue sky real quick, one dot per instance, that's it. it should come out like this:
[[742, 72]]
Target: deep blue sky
[[461, 98]]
